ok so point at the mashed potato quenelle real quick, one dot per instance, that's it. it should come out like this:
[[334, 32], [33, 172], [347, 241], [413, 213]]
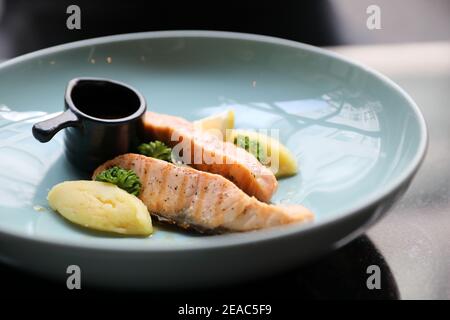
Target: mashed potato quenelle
[[101, 206]]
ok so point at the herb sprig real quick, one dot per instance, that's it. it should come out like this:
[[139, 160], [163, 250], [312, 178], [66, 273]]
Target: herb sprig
[[156, 149], [252, 146], [124, 179]]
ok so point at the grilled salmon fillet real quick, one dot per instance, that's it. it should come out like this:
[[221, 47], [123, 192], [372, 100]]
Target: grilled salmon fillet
[[208, 153], [200, 200]]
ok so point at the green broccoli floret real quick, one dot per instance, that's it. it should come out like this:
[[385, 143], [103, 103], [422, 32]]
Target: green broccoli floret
[[251, 146], [156, 149], [124, 179]]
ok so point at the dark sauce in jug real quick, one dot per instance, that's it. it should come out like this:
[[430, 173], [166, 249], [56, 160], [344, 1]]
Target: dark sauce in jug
[[104, 100]]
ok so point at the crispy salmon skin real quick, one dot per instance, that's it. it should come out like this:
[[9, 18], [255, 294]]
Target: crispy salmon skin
[[200, 200], [210, 154]]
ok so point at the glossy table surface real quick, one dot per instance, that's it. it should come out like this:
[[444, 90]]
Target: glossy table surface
[[411, 245], [414, 237]]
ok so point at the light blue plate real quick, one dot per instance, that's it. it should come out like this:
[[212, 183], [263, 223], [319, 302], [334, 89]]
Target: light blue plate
[[357, 136]]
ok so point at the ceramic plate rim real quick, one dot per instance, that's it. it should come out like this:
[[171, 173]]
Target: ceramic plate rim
[[255, 236]]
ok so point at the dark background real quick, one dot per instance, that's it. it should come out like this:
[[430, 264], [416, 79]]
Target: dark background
[[30, 25], [339, 275]]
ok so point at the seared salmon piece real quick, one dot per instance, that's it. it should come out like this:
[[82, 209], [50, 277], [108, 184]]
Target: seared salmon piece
[[205, 152], [200, 200]]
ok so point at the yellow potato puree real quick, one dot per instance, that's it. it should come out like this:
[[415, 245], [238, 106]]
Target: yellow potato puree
[[101, 206]]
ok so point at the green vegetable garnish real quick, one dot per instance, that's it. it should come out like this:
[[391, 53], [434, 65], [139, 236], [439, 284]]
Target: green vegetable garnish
[[251, 146], [124, 179], [156, 149]]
